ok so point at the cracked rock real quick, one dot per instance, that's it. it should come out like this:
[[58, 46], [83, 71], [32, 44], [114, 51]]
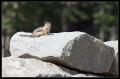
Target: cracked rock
[[75, 49]]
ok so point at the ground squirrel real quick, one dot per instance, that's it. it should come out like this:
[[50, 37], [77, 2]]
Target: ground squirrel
[[44, 30]]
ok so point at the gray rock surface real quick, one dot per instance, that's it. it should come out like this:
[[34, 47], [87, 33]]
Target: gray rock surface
[[114, 68], [20, 67], [31, 67], [75, 49], [83, 75], [113, 44]]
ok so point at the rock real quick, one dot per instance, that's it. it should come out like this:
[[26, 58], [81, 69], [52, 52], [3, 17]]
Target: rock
[[19, 67], [113, 44], [76, 73], [114, 67], [83, 75], [79, 75], [31, 67], [75, 49], [68, 70]]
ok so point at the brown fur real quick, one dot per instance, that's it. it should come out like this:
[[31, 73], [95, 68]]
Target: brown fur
[[42, 30]]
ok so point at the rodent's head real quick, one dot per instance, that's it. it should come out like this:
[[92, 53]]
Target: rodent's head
[[47, 24]]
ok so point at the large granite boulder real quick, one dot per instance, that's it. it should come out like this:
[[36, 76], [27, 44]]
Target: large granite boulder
[[74, 49], [31, 67]]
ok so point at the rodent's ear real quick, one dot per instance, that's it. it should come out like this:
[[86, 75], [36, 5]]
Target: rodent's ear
[[47, 22]]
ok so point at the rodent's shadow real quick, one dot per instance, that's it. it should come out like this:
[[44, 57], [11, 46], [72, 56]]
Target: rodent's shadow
[[30, 35], [50, 34]]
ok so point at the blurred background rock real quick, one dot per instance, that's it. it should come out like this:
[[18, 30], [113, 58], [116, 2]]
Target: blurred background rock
[[99, 19]]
